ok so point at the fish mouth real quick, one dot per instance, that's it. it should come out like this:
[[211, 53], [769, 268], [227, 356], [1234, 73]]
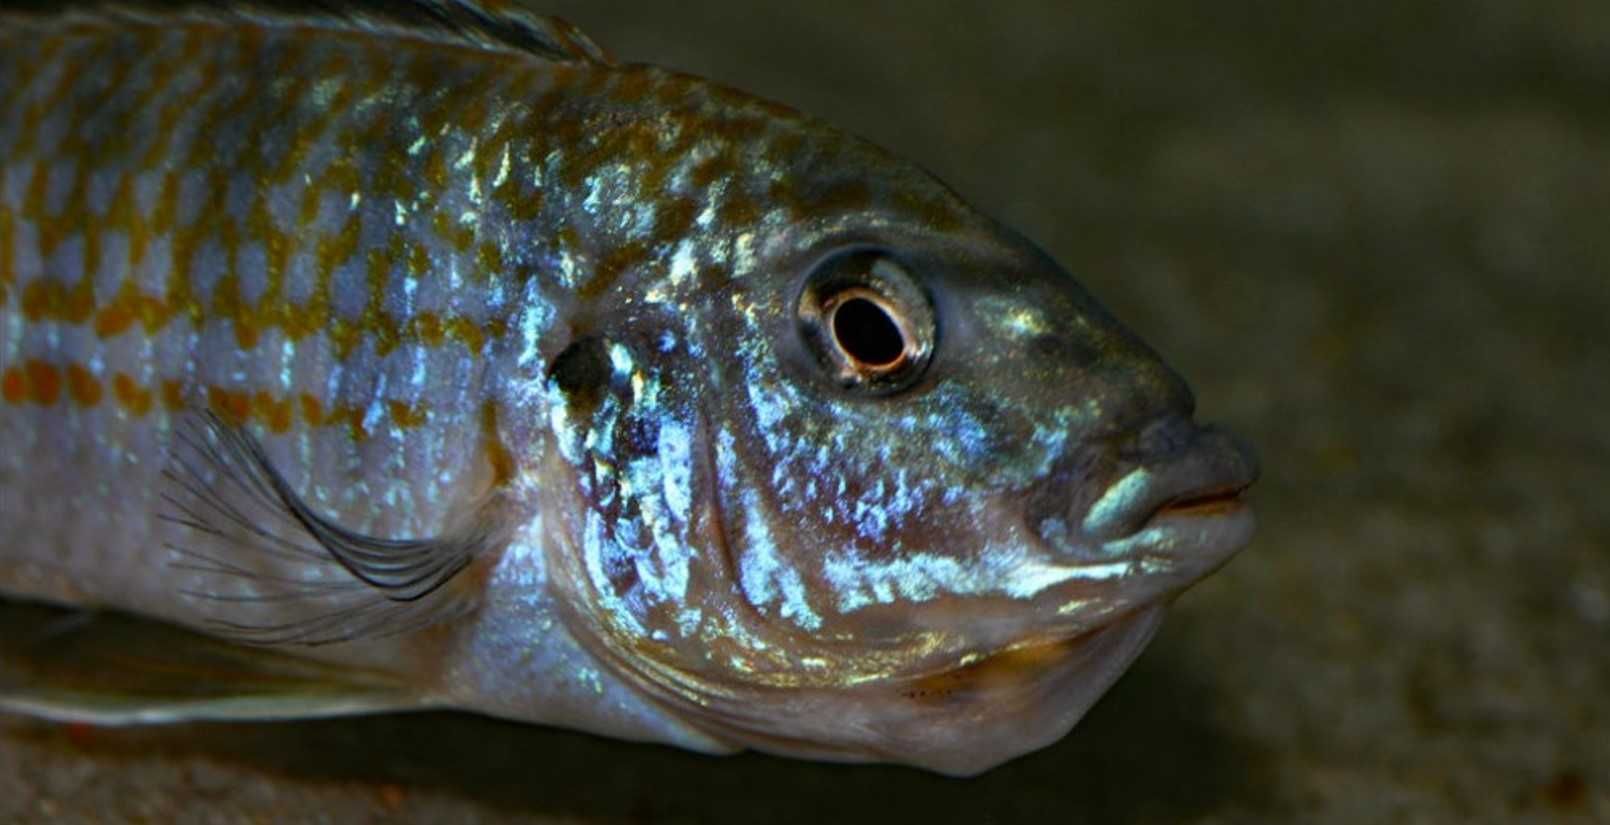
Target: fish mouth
[[1203, 475], [1218, 500]]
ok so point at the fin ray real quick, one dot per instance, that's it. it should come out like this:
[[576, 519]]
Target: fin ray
[[227, 493], [111, 668], [486, 25]]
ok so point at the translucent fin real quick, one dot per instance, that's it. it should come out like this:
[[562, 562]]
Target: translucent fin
[[488, 25], [258, 545], [114, 669]]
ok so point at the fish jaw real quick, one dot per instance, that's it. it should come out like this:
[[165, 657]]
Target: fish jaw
[[959, 720], [1180, 546], [1194, 470], [1020, 700], [1174, 511], [1014, 675], [956, 683]]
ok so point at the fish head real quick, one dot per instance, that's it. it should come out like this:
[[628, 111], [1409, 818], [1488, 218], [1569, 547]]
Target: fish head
[[922, 499]]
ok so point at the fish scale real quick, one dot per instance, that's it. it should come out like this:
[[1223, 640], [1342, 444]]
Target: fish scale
[[424, 340], [312, 234], [199, 308]]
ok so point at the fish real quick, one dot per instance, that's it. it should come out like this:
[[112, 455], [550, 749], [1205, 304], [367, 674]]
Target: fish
[[384, 356]]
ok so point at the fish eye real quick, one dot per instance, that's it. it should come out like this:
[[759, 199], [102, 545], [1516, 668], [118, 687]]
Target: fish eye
[[869, 324]]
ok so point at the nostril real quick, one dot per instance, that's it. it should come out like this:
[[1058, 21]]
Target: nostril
[[1063, 349], [1163, 437]]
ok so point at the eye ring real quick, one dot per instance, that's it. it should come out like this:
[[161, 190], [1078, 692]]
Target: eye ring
[[869, 324]]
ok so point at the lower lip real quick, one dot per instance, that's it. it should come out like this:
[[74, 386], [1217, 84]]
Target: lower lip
[[1196, 538]]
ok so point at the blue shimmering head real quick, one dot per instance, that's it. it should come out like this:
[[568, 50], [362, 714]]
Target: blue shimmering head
[[869, 477]]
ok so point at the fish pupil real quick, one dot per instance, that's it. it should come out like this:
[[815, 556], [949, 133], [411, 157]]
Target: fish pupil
[[867, 334]]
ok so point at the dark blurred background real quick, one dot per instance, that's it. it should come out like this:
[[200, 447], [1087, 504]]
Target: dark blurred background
[[1376, 238]]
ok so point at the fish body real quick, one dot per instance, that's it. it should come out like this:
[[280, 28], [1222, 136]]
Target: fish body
[[423, 341]]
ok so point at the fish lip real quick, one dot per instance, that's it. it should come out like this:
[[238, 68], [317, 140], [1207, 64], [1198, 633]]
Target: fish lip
[[1203, 476]]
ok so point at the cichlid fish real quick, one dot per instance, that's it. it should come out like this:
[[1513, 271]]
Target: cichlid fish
[[417, 354]]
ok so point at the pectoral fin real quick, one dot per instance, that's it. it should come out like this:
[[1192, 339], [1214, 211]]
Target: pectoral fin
[[114, 669], [279, 573]]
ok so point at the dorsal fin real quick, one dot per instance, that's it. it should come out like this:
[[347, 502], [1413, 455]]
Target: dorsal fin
[[488, 25]]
